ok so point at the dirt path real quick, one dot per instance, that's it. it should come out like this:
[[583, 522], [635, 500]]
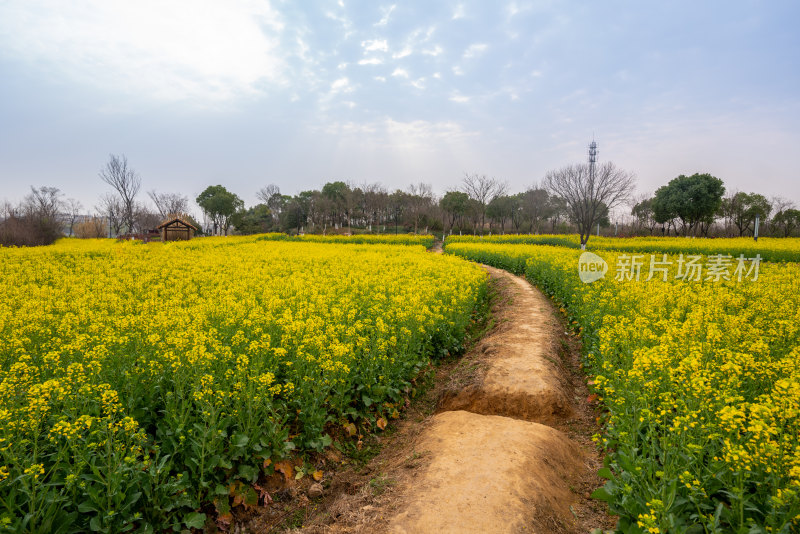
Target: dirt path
[[507, 448]]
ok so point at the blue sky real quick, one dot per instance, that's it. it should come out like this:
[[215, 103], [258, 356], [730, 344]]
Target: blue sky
[[299, 93]]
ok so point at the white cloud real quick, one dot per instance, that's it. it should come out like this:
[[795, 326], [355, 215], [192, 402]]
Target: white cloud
[[435, 51], [513, 9], [406, 51], [375, 45], [370, 61], [342, 65], [159, 50], [342, 85], [380, 78], [400, 73], [414, 42], [459, 99], [421, 135], [458, 71], [341, 19], [387, 12], [419, 83], [475, 50], [458, 12]]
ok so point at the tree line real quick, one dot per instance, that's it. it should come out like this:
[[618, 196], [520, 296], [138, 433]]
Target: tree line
[[580, 198], [698, 205]]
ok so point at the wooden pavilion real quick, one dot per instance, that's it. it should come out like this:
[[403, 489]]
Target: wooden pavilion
[[176, 229]]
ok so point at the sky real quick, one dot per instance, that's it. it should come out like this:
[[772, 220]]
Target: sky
[[250, 93]]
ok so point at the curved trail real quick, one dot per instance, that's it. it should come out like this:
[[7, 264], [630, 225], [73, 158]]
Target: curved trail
[[508, 451], [494, 464]]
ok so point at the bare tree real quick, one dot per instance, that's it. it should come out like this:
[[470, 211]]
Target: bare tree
[[588, 192], [482, 190], [91, 228], [420, 200], [111, 208], [35, 221], [146, 220], [73, 209], [126, 182], [169, 203], [271, 196], [266, 193], [779, 206], [376, 200], [44, 202]]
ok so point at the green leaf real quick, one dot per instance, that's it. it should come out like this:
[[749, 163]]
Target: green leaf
[[250, 497], [605, 472], [248, 472], [225, 463], [601, 494], [95, 525], [195, 520], [87, 506], [239, 440], [366, 400]]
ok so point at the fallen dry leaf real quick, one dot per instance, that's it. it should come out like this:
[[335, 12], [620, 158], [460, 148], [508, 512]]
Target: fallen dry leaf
[[224, 521], [286, 468], [263, 495]]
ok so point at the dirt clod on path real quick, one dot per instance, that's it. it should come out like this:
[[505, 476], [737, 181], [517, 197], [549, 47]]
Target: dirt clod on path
[[489, 474], [523, 376]]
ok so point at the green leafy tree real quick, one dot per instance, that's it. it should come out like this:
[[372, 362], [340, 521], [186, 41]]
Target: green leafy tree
[[694, 200], [645, 216], [296, 212], [455, 204], [255, 220], [219, 205], [501, 208], [398, 202], [743, 208], [338, 195], [787, 221], [536, 206]]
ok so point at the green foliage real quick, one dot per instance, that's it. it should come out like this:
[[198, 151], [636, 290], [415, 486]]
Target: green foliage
[[133, 401], [693, 199], [255, 220], [770, 249], [787, 221], [220, 205], [700, 390], [743, 208]]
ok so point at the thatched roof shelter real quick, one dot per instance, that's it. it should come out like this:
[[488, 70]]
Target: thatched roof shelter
[[176, 229]]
